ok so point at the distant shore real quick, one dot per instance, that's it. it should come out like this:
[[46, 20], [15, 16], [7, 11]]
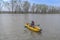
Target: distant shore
[[3, 12]]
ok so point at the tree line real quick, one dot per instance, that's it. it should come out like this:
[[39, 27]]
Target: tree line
[[26, 6]]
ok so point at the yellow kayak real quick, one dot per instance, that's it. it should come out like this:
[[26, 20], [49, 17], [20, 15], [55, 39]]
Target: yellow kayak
[[35, 28]]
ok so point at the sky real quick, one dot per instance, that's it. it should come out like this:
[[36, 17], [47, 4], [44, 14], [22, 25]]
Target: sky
[[47, 2]]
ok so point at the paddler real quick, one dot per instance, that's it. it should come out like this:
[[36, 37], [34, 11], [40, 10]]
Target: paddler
[[32, 24]]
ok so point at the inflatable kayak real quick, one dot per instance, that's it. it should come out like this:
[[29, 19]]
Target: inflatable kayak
[[35, 28]]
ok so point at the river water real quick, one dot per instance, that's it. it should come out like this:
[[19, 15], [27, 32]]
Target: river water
[[12, 26]]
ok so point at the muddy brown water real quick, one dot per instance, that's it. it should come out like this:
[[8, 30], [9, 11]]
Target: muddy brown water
[[12, 26]]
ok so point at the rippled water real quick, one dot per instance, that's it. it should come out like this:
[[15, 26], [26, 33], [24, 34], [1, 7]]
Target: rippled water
[[12, 26]]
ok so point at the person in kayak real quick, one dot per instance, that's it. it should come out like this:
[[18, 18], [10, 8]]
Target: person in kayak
[[32, 24]]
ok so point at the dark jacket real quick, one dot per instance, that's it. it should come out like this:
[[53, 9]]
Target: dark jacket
[[32, 23]]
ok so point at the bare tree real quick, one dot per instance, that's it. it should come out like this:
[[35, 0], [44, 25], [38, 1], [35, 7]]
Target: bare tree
[[38, 8], [41, 8], [0, 7], [26, 6], [16, 4], [44, 8], [33, 7], [17, 9], [7, 5]]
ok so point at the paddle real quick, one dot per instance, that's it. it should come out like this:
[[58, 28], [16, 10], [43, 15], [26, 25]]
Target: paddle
[[38, 25], [24, 28]]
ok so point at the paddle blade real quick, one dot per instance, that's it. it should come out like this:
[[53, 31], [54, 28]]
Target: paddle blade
[[38, 25]]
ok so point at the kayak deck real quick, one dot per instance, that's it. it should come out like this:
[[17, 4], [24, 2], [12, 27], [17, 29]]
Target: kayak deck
[[35, 28]]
